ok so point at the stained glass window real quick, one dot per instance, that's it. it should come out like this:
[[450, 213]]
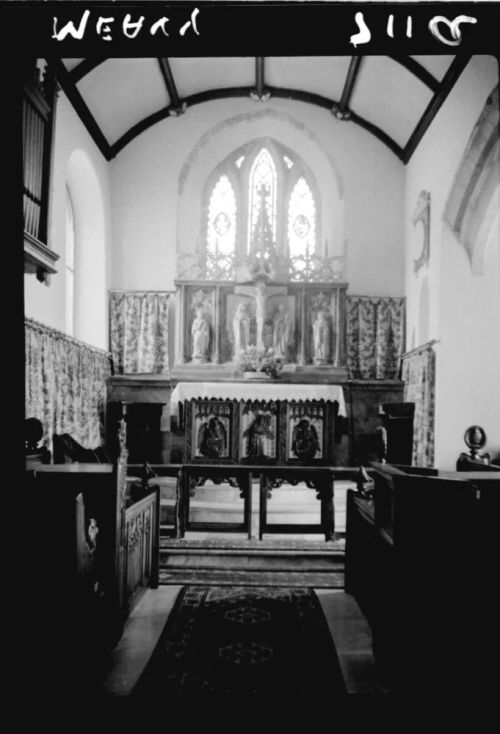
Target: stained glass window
[[253, 179], [221, 234], [222, 217], [262, 188], [301, 221]]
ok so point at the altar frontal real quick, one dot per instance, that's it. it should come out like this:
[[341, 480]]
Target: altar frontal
[[259, 424]]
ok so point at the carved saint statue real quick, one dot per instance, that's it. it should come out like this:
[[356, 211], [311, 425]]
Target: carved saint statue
[[256, 433], [200, 332], [281, 330], [321, 337], [241, 328]]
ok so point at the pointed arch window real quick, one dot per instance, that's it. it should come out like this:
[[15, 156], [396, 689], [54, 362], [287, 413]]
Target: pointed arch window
[[221, 229], [301, 222], [262, 190], [262, 198]]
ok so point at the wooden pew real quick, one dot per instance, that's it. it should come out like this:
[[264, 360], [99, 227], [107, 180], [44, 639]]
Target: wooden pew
[[67, 496], [418, 559], [91, 586]]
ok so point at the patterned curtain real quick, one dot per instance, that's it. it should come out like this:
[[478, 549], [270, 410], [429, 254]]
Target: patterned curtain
[[375, 337], [65, 384], [139, 332], [419, 371]]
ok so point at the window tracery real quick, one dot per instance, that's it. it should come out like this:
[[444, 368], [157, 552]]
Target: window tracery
[[221, 230], [261, 202]]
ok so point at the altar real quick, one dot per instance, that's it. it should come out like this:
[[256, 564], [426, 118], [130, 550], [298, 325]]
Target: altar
[[258, 422]]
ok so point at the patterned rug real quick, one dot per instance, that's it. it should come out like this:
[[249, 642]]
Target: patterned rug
[[255, 641]]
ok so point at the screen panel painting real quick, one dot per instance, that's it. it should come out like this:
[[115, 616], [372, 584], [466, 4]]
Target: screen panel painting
[[258, 432], [211, 431], [306, 432]]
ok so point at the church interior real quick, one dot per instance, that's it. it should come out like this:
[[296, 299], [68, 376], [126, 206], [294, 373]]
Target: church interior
[[261, 302]]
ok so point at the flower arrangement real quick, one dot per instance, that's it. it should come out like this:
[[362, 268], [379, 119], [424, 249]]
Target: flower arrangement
[[253, 360]]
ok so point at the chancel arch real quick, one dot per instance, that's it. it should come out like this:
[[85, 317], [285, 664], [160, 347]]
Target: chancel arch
[[474, 199]]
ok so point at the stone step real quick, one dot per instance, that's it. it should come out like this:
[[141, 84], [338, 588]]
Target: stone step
[[250, 561], [252, 555], [223, 577], [237, 541]]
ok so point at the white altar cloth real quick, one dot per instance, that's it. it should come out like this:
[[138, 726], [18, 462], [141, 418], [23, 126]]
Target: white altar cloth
[[255, 391]]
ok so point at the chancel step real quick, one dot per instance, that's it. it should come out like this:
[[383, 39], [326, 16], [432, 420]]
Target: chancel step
[[221, 577], [269, 561], [251, 558]]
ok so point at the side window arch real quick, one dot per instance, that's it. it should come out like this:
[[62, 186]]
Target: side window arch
[[69, 262], [221, 224]]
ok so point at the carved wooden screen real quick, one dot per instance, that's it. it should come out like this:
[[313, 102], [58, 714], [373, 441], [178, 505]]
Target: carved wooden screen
[[211, 432]]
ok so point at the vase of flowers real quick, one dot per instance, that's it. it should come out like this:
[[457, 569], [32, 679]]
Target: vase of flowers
[[257, 364]]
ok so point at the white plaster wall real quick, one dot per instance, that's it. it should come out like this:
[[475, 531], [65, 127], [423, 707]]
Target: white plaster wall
[[146, 209], [463, 308], [47, 303], [468, 359]]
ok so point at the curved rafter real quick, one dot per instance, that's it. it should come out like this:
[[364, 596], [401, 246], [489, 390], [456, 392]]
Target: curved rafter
[[70, 89], [231, 92], [417, 70], [259, 75], [69, 80], [450, 78], [87, 65], [350, 82], [84, 67], [168, 78]]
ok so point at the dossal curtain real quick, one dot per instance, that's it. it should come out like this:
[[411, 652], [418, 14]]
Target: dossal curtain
[[65, 384], [139, 331], [375, 337], [419, 369]]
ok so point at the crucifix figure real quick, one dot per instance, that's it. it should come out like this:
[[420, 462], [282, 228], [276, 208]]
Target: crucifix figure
[[260, 293]]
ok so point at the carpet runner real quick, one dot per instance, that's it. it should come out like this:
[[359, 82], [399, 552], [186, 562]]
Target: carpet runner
[[244, 641]]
